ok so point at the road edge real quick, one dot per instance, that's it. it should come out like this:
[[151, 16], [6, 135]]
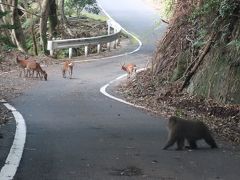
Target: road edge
[[104, 92], [12, 162], [119, 55], [103, 88]]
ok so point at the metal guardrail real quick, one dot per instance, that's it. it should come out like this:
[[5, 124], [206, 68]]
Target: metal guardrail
[[98, 40]]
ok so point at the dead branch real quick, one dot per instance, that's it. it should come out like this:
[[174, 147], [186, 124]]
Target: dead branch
[[194, 66], [164, 21]]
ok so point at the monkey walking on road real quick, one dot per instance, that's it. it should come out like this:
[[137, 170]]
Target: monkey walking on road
[[181, 129]]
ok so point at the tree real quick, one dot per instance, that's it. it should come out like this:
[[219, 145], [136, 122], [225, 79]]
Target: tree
[[78, 5], [5, 19], [12, 24], [62, 12], [18, 31], [43, 24], [53, 19], [4, 29]]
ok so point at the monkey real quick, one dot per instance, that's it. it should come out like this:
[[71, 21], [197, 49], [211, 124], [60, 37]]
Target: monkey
[[181, 129]]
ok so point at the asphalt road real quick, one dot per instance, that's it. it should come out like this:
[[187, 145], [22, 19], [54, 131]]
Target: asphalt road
[[75, 132]]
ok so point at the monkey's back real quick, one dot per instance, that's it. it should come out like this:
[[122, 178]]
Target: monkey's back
[[190, 129]]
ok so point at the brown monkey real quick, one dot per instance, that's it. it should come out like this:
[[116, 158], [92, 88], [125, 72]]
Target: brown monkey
[[181, 129]]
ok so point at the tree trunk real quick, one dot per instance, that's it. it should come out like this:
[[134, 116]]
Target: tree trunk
[[18, 32], [191, 71], [34, 38], [43, 25], [64, 19], [7, 19], [61, 7], [53, 18]]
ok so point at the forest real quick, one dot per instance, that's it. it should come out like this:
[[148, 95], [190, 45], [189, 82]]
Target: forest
[[27, 25]]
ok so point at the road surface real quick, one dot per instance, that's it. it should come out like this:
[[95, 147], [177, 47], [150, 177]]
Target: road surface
[[75, 132]]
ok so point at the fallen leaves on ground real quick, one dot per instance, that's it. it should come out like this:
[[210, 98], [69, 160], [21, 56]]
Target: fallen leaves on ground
[[221, 118]]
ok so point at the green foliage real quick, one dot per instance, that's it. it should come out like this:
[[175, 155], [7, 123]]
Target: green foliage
[[72, 6], [4, 40], [213, 14], [226, 8], [223, 8], [2, 14], [94, 16], [208, 7], [6, 43], [7, 26], [169, 6], [235, 43], [200, 41], [26, 24], [179, 112], [181, 66], [29, 43], [78, 3]]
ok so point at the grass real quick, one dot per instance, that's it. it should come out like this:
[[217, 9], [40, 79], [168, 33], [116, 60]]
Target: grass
[[95, 16]]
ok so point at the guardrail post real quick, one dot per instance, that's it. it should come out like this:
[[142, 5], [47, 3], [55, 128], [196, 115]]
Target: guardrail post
[[113, 30], [70, 53], [86, 50], [109, 46], [117, 42], [51, 52], [50, 47], [109, 29], [98, 48]]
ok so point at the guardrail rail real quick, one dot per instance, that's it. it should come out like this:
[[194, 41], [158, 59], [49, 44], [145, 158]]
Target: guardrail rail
[[98, 40]]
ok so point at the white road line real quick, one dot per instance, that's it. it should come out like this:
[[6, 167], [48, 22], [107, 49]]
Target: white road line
[[103, 88], [15, 154], [13, 160], [120, 55], [103, 91]]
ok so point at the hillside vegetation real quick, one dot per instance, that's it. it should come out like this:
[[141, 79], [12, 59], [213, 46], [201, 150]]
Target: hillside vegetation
[[195, 71], [200, 52]]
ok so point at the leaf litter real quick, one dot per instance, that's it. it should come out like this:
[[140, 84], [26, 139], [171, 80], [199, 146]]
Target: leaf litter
[[222, 119]]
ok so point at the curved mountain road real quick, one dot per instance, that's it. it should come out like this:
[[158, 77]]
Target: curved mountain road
[[75, 132]]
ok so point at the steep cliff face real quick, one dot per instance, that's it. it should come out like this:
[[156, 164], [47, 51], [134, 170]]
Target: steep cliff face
[[218, 78], [200, 52]]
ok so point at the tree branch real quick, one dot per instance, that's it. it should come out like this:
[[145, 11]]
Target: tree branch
[[191, 71], [5, 4]]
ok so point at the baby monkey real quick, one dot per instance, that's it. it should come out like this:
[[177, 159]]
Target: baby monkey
[[181, 129]]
